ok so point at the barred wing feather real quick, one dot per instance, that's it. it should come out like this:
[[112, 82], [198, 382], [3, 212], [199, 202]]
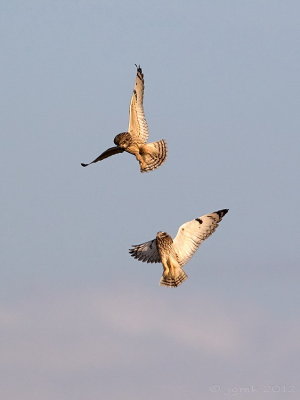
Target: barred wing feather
[[191, 234], [138, 127], [146, 252]]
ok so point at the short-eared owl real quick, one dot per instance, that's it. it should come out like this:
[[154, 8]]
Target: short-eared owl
[[149, 155], [174, 254]]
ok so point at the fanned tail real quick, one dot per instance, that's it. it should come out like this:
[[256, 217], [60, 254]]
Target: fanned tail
[[153, 154], [173, 280]]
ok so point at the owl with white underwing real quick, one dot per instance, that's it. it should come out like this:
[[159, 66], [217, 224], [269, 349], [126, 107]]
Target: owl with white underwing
[[134, 141], [175, 253]]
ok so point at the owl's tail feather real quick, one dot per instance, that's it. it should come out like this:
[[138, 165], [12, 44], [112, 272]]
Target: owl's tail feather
[[173, 280], [153, 155]]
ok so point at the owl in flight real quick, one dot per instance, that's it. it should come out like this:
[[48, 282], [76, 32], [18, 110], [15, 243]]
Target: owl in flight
[[175, 253], [149, 155]]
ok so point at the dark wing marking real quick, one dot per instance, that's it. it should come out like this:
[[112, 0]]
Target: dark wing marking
[[107, 153]]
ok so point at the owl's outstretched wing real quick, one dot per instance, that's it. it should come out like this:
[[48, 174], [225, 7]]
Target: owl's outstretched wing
[[107, 153], [138, 127], [191, 234], [146, 252]]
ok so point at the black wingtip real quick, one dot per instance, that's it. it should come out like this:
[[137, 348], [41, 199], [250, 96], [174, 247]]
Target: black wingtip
[[139, 69], [84, 165], [223, 212]]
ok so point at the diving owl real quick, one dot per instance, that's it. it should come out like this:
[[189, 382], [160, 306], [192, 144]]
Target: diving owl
[[175, 253], [149, 155]]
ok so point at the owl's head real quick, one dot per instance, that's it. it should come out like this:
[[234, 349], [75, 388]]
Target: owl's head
[[163, 240], [123, 140], [161, 234]]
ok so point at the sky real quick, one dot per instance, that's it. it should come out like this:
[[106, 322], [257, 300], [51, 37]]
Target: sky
[[80, 319]]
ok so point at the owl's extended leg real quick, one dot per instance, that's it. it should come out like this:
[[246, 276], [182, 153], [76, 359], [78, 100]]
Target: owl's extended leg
[[173, 274], [143, 164], [135, 150], [166, 268]]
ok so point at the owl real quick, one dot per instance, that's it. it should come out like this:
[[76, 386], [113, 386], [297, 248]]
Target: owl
[[149, 155], [175, 253]]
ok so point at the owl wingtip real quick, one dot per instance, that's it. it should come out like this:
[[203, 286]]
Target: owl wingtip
[[223, 212], [139, 68]]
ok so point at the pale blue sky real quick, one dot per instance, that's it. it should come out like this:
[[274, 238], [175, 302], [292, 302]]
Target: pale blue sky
[[80, 318]]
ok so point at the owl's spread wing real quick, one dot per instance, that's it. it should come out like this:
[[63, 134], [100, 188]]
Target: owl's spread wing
[[191, 234], [146, 252], [107, 153], [138, 127]]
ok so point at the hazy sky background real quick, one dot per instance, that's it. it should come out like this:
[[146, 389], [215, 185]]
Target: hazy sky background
[[82, 320]]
